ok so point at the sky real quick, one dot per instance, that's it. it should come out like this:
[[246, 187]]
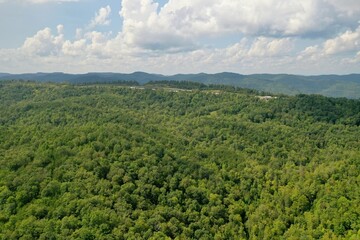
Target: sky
[[307, 37]]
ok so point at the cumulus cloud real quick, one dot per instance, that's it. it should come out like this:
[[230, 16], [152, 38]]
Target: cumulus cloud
[[101, 17], [44, 43], [145, 28], [95, 44], [348, 41], [75, 48], [264, 47]]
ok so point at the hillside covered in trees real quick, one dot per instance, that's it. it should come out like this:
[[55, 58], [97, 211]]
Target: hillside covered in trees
[[176, 162]]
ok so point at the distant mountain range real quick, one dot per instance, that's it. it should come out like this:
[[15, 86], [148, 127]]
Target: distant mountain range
[[328, 85]]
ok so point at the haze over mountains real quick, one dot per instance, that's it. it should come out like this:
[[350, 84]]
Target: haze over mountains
[[328, 85]]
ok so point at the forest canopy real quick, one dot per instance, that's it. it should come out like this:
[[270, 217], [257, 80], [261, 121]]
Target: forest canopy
[[186, 161]]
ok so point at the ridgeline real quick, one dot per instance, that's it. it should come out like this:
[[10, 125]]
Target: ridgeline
[[328, 85]]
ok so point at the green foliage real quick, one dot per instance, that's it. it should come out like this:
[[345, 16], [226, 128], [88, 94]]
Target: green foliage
[[214, 162]]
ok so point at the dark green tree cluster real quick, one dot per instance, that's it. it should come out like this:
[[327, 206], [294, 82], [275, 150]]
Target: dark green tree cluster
[[114, 162]]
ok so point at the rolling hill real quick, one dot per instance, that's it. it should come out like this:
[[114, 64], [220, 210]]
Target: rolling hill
[[108, 161], [328, 85]]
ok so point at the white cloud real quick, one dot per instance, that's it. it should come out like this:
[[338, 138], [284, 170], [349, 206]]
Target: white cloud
[[169, 40], [179, 24], [60, 29], [144, 28], [75, 48], [101, 17], [264, 47], [312, 53], [348, 41], [90, 44], [44, 43]]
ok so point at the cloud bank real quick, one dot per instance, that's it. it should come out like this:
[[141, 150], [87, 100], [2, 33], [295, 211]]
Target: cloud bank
[[179, 22], [271, 36]]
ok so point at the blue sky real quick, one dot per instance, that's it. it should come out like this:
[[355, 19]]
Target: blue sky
[[187, 36], [26, 19]]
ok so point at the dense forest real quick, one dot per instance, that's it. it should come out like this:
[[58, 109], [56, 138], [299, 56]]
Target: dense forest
[[105, 161]]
